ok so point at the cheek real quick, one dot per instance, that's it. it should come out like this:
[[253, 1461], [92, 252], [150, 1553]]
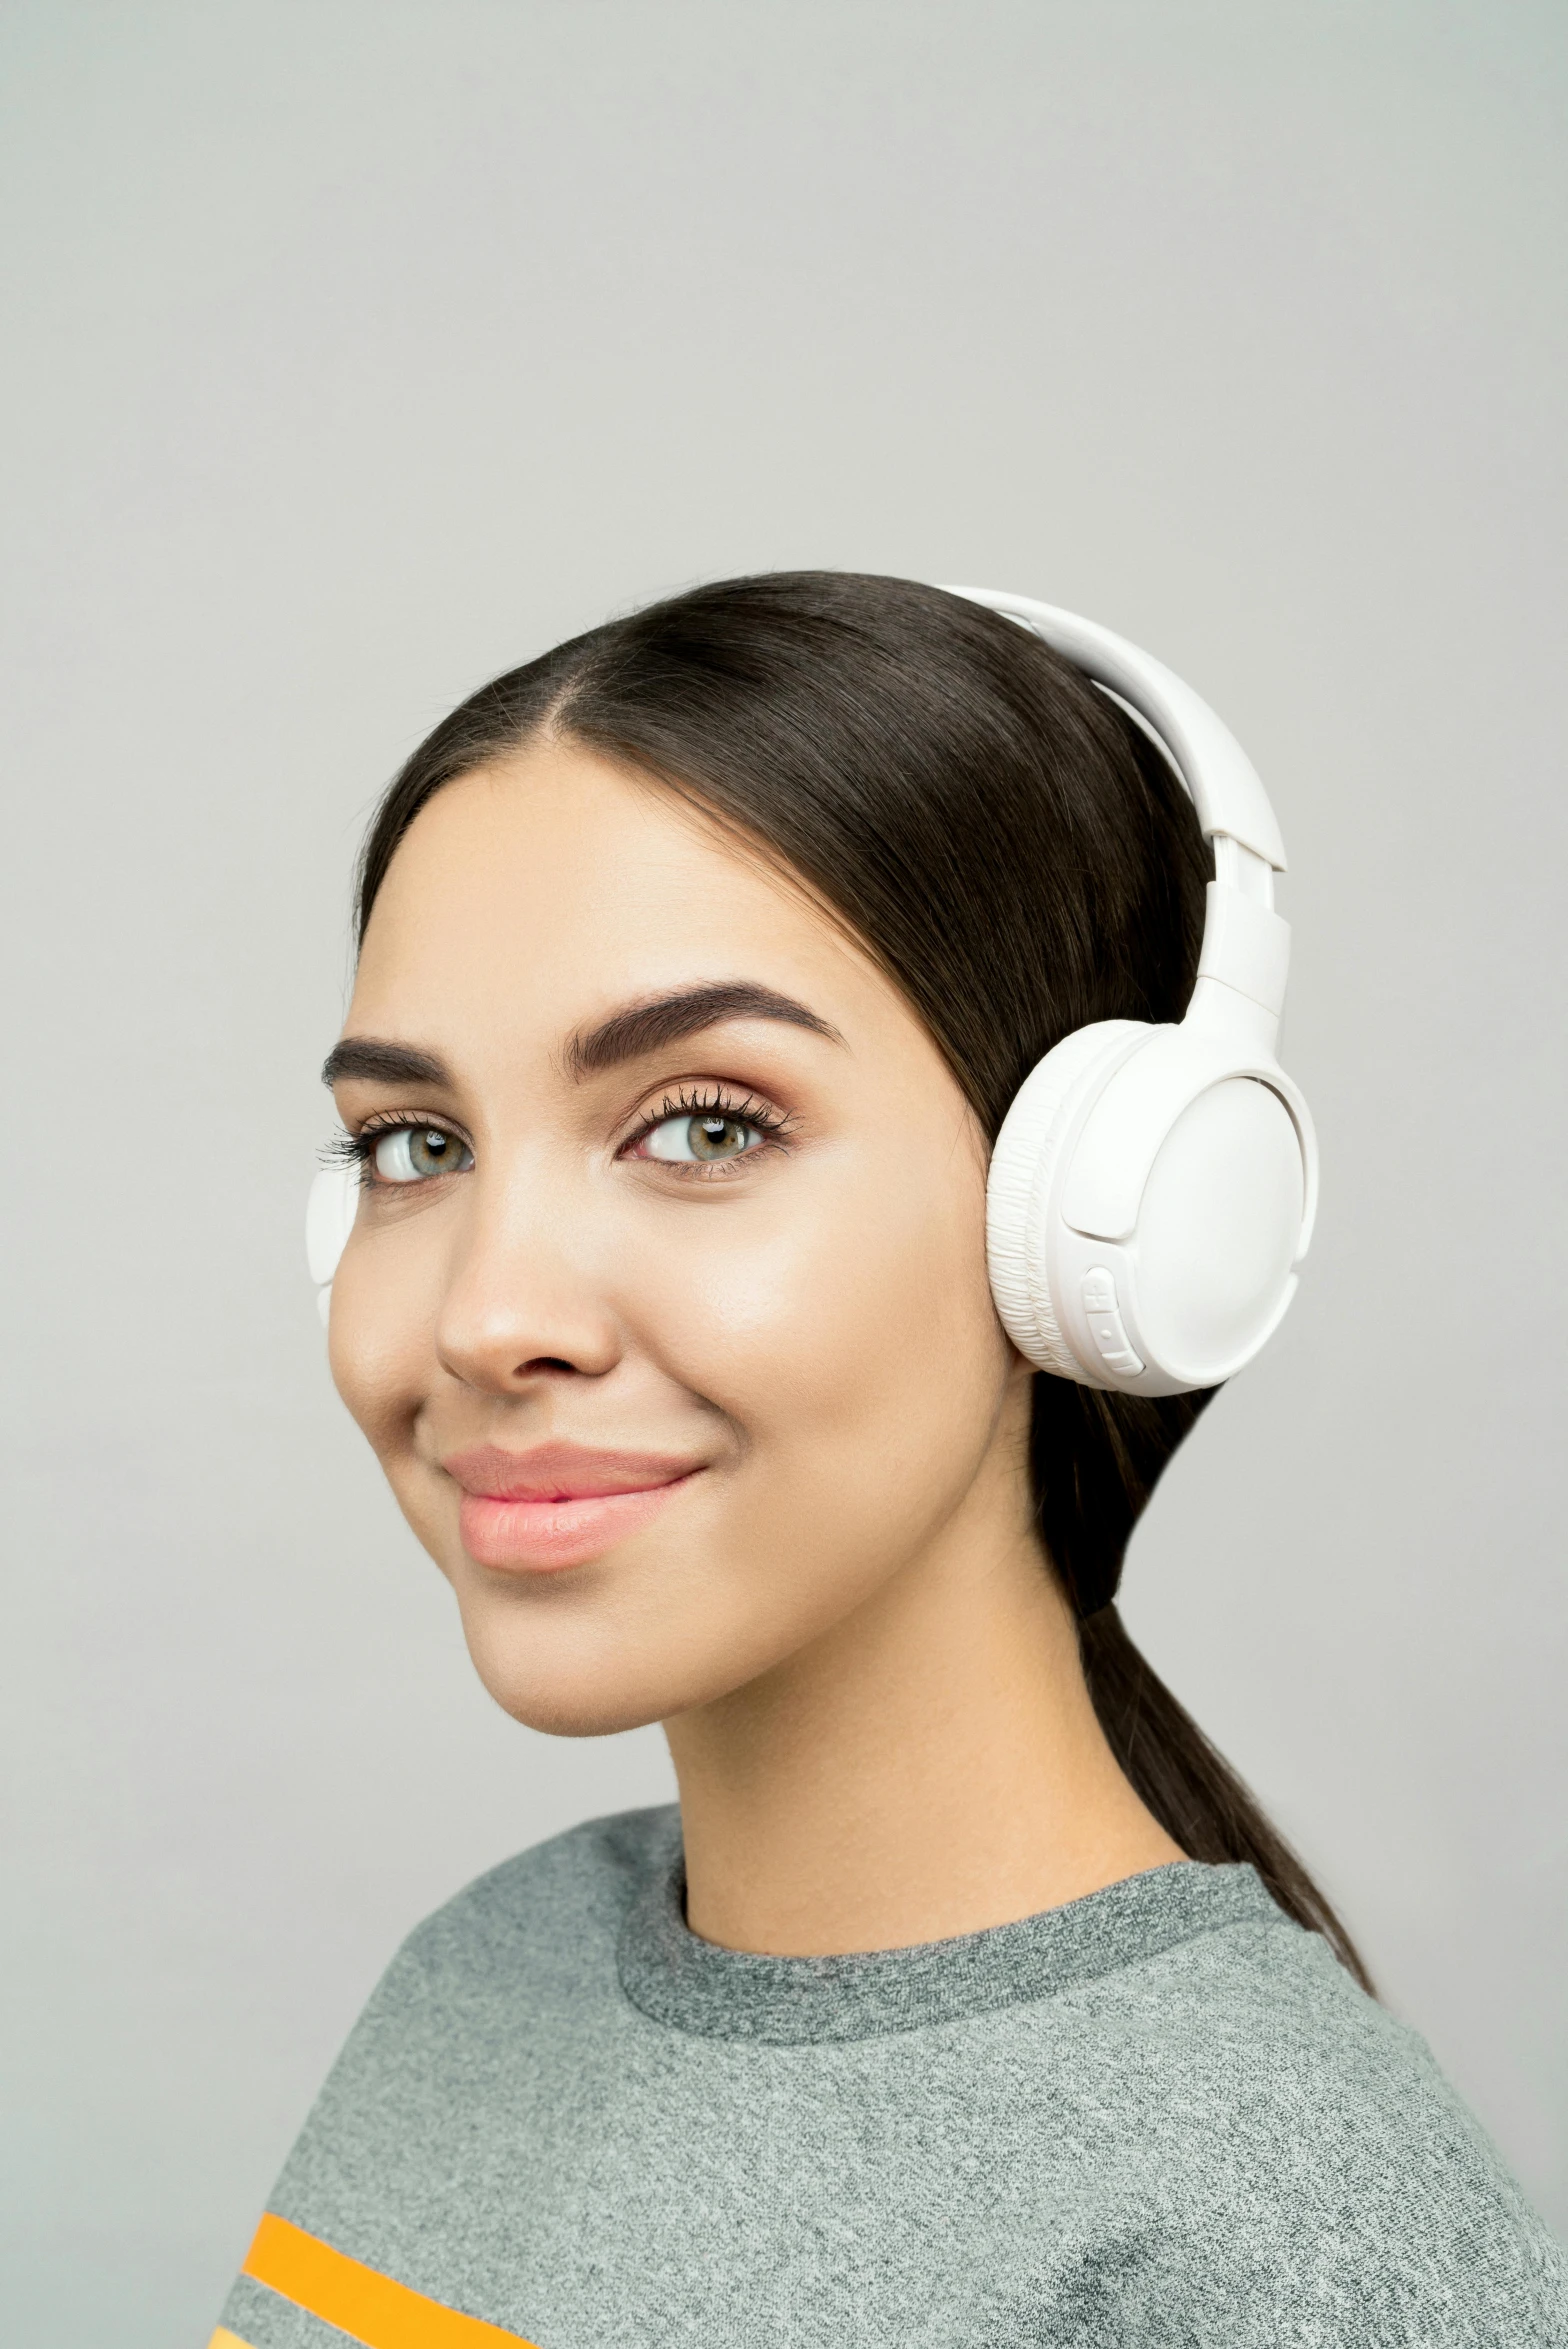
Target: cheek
[[855, 1341], [380, 1339]]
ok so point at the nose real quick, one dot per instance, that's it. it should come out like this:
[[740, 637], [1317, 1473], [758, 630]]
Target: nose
[[523, 1300]]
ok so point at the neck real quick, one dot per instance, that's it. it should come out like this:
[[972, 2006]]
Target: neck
[[930, 1767]]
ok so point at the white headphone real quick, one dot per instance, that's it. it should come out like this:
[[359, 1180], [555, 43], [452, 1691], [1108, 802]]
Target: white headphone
[[1153, 1187]]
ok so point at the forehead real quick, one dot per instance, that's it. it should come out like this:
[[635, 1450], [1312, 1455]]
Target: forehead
[[550, 887]]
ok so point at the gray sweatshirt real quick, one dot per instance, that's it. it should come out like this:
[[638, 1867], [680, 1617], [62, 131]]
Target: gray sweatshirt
[[1161, 2115]]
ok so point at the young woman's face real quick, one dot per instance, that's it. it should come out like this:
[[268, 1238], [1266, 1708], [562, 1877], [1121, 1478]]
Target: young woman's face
[[666, 1308]]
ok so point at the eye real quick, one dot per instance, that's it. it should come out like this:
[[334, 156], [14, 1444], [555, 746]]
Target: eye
[[412, 1154], [702, 1139]]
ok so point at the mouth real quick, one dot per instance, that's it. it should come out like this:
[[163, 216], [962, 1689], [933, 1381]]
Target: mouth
[[559, 1505]]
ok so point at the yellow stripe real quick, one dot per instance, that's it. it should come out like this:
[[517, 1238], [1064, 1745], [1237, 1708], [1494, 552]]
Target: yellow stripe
[[372, 2308], [224, 2339]]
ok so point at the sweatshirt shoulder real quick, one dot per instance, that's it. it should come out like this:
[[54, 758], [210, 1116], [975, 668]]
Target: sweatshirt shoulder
[[1313, 2135], [586, 1877], [557, 1900], [526, 1952], [1269, 2037]]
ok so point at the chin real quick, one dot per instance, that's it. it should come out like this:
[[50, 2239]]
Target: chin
[[569, 1688], [572, 1708]]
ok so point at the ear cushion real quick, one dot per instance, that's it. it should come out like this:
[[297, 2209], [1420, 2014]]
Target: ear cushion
[[1028, 1148]]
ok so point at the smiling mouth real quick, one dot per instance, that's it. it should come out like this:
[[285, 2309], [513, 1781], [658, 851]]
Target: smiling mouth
[[559, 1506]]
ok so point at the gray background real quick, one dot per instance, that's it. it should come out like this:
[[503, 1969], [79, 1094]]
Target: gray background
[[359, 348]]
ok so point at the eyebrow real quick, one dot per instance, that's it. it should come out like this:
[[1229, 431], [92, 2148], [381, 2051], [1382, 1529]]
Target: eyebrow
[[383, 1063], [665, 1019], [627, 1034]]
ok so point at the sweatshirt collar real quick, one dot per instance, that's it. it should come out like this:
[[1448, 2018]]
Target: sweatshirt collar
[[676, 1978]]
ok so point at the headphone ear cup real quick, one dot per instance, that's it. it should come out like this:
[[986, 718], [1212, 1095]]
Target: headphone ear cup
[[1219, 1230], [329, 1218], [1028, 1152]]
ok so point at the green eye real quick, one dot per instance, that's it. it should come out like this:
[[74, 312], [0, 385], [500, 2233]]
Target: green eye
[[701, 1139], [412, 1154]]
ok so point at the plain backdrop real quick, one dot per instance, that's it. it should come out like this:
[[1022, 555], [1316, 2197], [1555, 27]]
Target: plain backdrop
[[355, 349]]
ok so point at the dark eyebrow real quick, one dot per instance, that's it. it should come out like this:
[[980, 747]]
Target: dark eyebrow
[[664, 1019], [383, 1064]]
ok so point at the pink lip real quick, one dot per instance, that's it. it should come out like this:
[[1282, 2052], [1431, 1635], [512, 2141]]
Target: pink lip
[[558, 1505]]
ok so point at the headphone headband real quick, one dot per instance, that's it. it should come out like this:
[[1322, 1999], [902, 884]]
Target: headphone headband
[[1223, 781]]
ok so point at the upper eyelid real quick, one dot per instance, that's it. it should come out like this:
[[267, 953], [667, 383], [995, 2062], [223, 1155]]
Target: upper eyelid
[[708, 1095], [697, 1081], [388, 1121]]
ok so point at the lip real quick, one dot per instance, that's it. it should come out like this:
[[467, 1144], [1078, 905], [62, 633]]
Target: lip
[[559, 1505]]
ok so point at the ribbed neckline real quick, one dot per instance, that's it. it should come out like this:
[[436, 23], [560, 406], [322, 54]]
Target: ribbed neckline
[[718, 1993]]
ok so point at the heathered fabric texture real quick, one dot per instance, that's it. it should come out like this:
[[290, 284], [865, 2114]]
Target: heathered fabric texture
[[1161, 2115]]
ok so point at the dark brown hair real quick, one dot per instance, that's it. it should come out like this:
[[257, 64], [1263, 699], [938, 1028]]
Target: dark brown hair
[[1021, 859]]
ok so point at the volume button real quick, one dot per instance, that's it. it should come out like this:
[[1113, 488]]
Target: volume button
[[1103, 1314]]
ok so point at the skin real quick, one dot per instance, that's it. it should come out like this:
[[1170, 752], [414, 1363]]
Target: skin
[[866, 1670]]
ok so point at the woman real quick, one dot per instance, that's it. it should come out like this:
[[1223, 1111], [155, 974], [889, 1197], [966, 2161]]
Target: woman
[[968, 1998]]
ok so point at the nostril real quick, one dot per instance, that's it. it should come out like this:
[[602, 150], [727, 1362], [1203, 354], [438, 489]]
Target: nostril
[[543, 1362]]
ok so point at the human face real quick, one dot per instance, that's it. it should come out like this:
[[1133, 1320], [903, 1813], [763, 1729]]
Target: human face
[[666, 1307]]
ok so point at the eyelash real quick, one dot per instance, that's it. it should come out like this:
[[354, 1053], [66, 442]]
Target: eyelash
[[703, 1101]]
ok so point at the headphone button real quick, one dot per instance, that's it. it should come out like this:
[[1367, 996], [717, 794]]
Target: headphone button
[[1105, 1322]]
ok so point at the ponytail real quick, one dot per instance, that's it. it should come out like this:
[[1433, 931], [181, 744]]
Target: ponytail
[[1096, 1459]]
